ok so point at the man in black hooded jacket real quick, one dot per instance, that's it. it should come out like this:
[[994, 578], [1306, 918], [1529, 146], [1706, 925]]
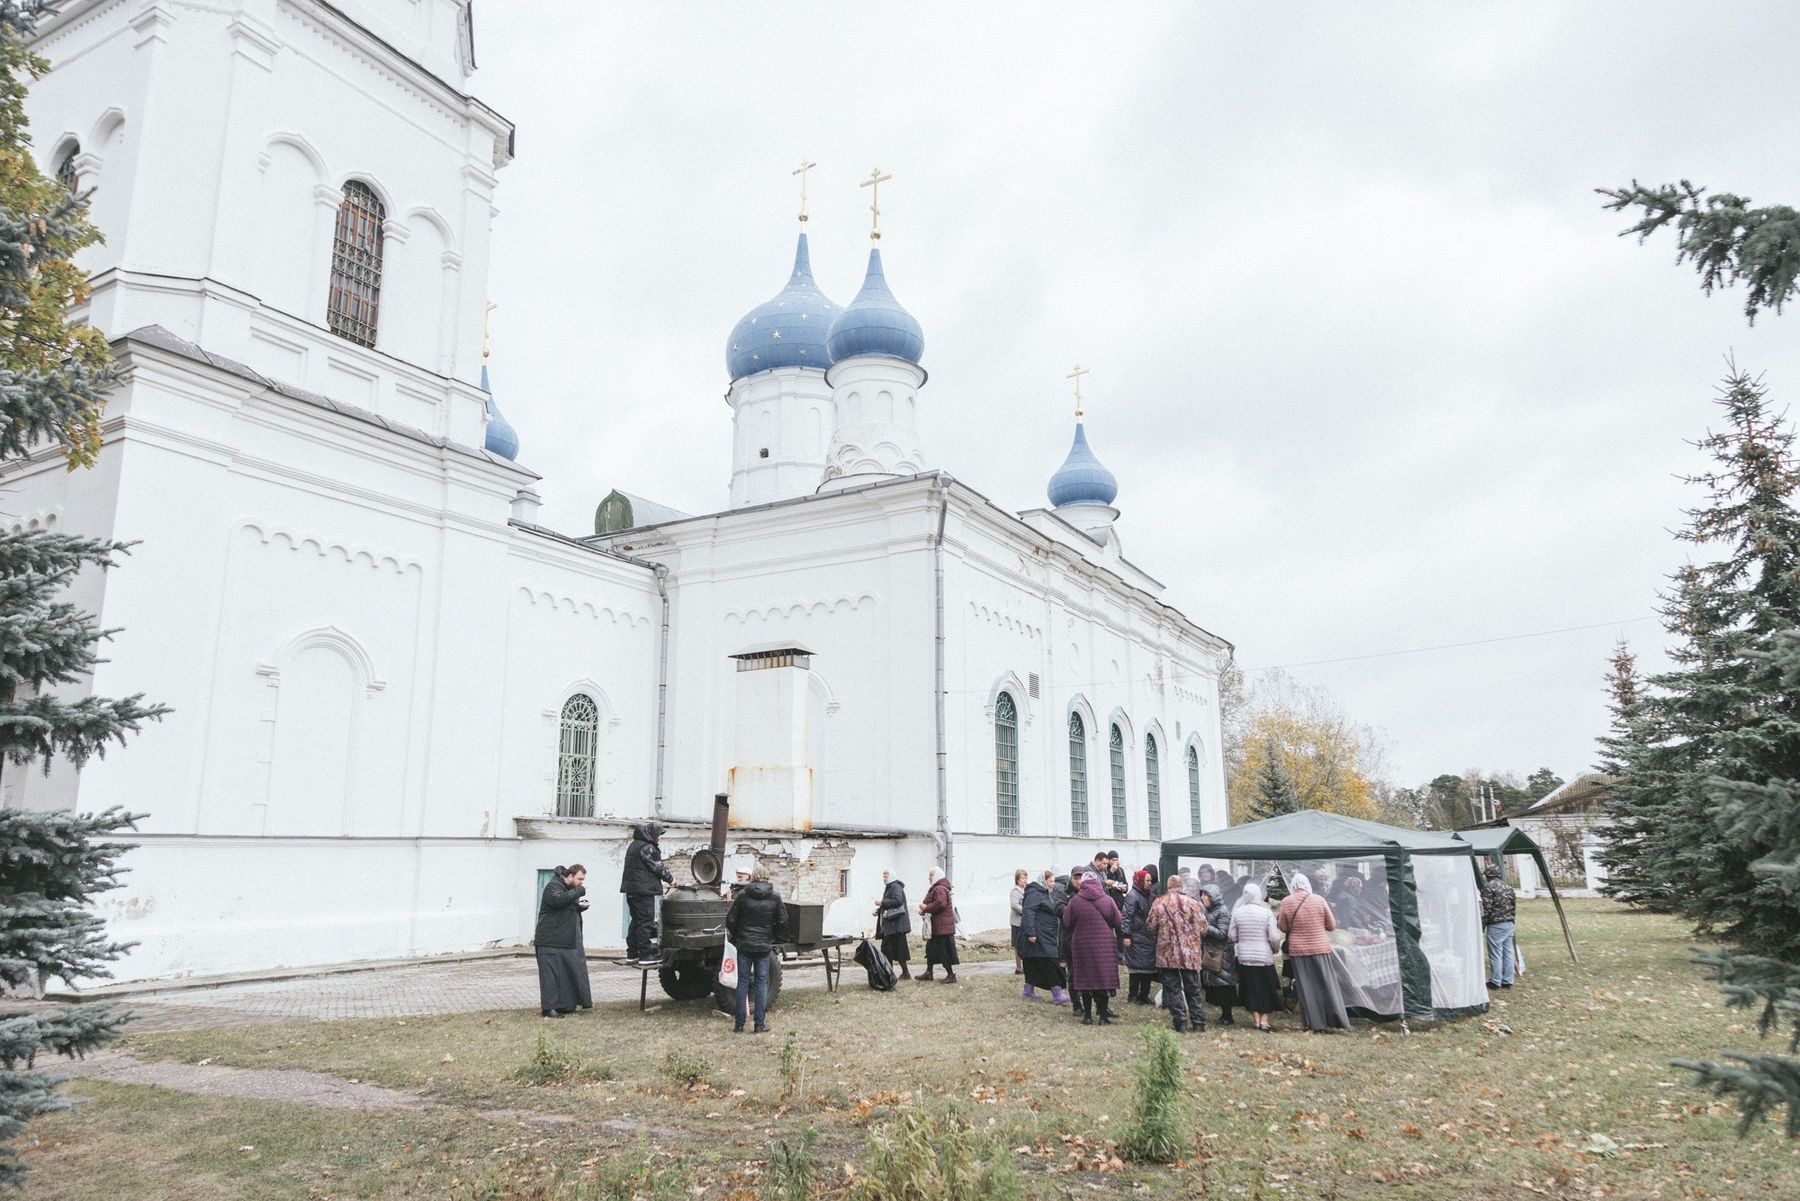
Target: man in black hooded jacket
[[752, 922], [642, 882]]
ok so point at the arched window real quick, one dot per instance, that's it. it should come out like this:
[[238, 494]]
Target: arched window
[[1117, 748], [356, 265], [576, 750], [1153, 787], [1193, 758], [1006, 765], [1078, 809], [66, 174]]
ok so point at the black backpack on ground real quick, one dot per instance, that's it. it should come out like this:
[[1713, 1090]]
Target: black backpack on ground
[[880, 969]]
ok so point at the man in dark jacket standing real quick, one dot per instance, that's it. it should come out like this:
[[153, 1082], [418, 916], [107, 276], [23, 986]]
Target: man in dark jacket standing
[[754, 917], [1499, 906], [642, 882]]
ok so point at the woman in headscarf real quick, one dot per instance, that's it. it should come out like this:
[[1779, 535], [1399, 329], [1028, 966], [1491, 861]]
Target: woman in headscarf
[[1307, 920], [940, 946], [1255, 938], [1040, 942], [1092, 922], [562, 964], [893, 922], [1218, 962], [1017, 900], [1138, 940]]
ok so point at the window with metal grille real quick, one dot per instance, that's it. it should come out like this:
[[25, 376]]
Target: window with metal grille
[[1153, 786], [1078, 805], [65, 170], [576, 751], [1193, 757], [1006, 765], [1117, 747], [356, 265]]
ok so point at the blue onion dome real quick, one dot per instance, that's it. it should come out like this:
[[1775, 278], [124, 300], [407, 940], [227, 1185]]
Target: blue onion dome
[[1082, 479], [788, 330], [875, 324], [501, 438]]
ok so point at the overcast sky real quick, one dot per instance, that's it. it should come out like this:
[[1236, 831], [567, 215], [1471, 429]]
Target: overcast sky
[[1368, 359]]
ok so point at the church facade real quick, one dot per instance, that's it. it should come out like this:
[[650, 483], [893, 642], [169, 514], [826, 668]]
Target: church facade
[[397, 698]]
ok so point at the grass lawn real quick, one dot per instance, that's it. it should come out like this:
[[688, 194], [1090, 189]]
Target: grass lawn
[[1496, 1107]]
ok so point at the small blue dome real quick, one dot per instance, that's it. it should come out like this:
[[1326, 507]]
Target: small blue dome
[[1082, 479], [875, 324], [787, 330], [501, 438]]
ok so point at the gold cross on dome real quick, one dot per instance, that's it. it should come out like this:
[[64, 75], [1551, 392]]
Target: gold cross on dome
[[1076, 376], [873, 183], [486, 346], [801, 171]]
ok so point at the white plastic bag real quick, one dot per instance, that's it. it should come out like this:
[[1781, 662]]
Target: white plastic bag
[[728, 966]]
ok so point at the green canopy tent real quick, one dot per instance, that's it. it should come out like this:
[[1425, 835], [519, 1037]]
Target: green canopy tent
[[1494, 843], [1409, 944]]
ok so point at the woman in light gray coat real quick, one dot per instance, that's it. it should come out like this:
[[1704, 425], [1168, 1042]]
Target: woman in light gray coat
[[1255, 938]]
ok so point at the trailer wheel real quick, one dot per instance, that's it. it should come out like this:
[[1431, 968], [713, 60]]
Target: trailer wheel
[[686, 981], [726, 998]]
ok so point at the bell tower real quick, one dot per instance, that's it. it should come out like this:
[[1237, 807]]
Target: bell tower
[[303, 187]]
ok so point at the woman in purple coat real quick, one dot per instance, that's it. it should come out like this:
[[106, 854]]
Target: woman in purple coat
[[1092, 921]]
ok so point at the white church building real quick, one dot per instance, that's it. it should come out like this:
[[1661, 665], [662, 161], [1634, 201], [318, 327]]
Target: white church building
[[397, 698]]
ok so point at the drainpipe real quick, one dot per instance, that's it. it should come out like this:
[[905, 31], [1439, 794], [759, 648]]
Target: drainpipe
[[662, 688], [946, 851]]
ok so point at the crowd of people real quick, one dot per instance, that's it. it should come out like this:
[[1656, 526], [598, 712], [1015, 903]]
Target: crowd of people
[[1203, 937]]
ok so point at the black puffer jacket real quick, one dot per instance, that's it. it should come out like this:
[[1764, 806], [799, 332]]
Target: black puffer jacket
[[1498, 902], [1134, 924], [895, 917], [1040, 921], [754, 918], [559, 916], [644, 874]]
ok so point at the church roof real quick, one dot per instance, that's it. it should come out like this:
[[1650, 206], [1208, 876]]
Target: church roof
[[875, 324], [788, 329], [977, 503], [624, 511], [501, 437], [1082, 479]]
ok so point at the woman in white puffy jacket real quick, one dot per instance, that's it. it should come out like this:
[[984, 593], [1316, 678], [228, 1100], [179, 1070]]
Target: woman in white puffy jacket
[[1256, 937]]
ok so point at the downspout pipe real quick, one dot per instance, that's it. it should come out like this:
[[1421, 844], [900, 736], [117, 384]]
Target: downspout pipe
[[946, 849], [662, 688]]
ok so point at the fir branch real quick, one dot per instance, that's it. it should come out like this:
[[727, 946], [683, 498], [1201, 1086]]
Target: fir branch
[[1728, 241]]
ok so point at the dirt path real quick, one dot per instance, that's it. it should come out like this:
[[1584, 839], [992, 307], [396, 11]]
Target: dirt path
[[317, 1089]]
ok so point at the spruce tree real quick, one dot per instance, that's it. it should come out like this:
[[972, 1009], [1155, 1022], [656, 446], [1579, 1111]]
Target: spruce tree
[[1632, 752], [1275, 793], [1710, 755], [53, 376], [1725, 716]]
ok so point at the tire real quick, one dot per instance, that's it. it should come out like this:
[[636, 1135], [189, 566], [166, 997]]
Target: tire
[[686, 981], [726, 998]]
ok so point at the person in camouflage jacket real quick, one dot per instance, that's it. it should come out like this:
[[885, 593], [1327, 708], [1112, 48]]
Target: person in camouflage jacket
[[1499, 906]]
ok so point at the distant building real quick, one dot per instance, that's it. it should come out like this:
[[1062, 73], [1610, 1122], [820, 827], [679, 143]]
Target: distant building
[[1569, 827]]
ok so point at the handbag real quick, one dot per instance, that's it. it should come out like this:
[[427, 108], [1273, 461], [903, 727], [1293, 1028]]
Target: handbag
[[955, 917], [1212, 959]]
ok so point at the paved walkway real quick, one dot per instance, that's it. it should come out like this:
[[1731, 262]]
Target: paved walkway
[[411, 990]]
